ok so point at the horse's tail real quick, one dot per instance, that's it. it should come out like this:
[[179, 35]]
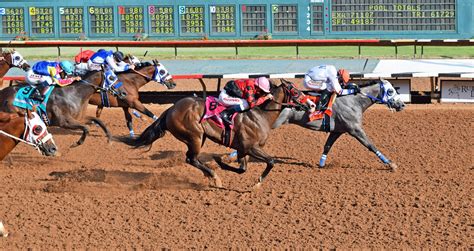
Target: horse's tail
[[155, 131]]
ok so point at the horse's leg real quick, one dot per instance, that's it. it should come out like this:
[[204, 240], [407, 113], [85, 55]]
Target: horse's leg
[[360, 135], [241, 159], [101, 125], [137, 105], [192, 159], [98, 111], [128, 118], [333, 136], [259, 154], [73, 124]]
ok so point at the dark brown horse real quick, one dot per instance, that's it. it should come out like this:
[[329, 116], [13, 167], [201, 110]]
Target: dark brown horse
[[250, 132], [10, 59], [66, 106], [26, 128], [132, 81]]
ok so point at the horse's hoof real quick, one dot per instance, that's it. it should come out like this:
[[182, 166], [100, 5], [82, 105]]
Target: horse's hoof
[[257, 186], [217, 181], [393, 167], [75, 145]]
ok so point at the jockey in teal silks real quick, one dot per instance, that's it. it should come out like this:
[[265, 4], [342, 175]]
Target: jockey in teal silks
[[113, 62], [44, 73]]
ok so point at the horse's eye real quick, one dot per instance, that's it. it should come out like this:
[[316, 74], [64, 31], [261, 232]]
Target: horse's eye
[[37, 130], [390, 92], [162, 72], [17, 58]]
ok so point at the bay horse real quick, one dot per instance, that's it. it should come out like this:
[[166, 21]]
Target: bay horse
[[347, 116], [251, 130], [27, 128], [132, 81], [66, 106], [10, 59]]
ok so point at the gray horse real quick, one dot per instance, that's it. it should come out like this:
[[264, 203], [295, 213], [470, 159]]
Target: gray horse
[[347, 116]]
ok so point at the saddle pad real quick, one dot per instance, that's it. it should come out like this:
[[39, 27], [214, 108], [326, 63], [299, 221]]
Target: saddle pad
[[213, 111], [23, 100]]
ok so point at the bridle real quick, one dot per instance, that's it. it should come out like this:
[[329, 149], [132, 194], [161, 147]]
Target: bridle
[[28, 138], [292, 97], [381, 97]]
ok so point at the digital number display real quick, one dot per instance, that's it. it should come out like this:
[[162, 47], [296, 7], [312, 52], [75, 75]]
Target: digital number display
[[222, 18], [162, 19], [42, 20], [393, 15], [101, 20], [192, 19], [285, 18], [254, 18], [72, 20], [13, 20], [131, 19], [316, 18]]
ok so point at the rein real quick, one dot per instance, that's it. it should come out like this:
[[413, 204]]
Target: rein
[[141, 74], [19, 139]]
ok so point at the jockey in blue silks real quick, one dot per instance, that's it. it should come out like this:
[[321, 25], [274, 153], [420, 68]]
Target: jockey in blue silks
[[113, 62], [44, 73]]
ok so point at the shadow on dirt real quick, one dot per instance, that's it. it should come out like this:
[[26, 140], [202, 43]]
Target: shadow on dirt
[[85, 180]]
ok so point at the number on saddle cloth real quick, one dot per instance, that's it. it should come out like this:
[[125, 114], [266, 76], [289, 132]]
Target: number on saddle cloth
[[213, 111]]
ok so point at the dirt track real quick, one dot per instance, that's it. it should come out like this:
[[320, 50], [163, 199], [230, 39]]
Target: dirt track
[[108, 196]]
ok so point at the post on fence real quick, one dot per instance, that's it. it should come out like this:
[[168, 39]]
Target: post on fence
[[396, 51], [360, 51], [422, 51], [59, 53], [414, 51], [297, 52], [236, 51], [219, 84], [175, 52]]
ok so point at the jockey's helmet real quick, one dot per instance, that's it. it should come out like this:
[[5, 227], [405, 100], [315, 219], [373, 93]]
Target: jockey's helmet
[[67, 67], [343, 75], [263, 84], [118, 55]]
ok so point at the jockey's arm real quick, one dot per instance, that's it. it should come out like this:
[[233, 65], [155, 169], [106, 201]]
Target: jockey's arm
[[56, 77], [116, 68]]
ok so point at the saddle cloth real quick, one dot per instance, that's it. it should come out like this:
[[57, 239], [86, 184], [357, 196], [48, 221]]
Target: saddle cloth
[[23, 100], [213, 111]]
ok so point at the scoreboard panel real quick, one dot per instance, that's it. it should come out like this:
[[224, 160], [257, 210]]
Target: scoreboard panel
[[132, 19], [393, 15], [254, 18], [42, 21], [237, 19], [101, 20], [71, 20], [223, 19], [191, 19], [161, 20], [13, 20]]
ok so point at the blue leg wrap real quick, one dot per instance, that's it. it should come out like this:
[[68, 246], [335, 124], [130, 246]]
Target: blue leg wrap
[[132, 133], [137, 114], [322, 161], [382, 157], [233, 154]]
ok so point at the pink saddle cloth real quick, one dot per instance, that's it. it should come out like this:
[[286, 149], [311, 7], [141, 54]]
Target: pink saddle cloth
[[213, 112]]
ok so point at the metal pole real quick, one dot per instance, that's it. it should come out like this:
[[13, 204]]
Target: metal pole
[[175, 52], [360, 51], [297, 52], [59, 53], [236, 52], [414, 51], [422, 51], [219, 84], [396, 51]]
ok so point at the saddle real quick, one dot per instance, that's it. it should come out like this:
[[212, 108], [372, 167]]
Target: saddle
[[213, 111], [24, 100], [325, 107]]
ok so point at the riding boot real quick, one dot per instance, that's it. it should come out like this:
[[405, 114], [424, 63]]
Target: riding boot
[[226, 115], [323, 101]]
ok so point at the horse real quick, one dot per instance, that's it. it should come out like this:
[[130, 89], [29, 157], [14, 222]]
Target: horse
[[10, 59], [27, 128], [347, 116], [66, 106], [251, 130], [132, 81]]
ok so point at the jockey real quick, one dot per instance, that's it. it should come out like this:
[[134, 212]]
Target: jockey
[[113, 62], [326, 80], [242, 94], [45, 73]]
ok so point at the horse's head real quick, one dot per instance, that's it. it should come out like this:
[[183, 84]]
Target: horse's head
[[129, 58], [15, 59], [290, 96], [37, 134], [388, 95], [162, 75]]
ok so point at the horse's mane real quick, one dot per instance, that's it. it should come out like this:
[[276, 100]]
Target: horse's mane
[[6, 117], [369, 83], [7, 51]]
